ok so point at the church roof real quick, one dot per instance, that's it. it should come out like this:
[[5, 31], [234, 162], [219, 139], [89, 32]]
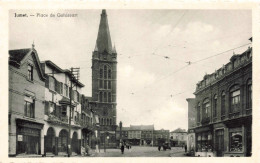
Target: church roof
[[103, 40]]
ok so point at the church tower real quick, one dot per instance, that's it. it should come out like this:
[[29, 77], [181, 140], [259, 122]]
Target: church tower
[[104, 80]]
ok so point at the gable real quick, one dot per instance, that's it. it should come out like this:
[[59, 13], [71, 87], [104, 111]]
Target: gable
[[23, 57]]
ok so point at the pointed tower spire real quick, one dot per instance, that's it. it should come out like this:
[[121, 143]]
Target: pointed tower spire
[[114, 48], [104, 40]]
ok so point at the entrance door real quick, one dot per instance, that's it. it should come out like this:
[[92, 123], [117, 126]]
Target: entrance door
[[50, 141], [74, 143], [220, 142]]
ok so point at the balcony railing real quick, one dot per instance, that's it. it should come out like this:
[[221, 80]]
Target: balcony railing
[[205, 120], [58, 119]]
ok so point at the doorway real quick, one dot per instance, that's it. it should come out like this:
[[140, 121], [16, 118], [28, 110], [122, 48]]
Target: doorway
[[220, 142]]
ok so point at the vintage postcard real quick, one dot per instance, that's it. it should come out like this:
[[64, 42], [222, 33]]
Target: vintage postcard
[[85, 83]]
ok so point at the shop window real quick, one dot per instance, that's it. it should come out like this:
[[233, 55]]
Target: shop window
[[234, 99], [29, 105], [223, 101], [30, 73], [236, 142]]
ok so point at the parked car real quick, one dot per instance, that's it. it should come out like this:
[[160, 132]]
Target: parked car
[[166, 146]]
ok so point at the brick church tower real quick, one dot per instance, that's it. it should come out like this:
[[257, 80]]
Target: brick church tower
[[104, 75]]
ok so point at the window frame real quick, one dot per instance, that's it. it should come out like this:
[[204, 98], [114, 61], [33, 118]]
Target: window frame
[[235, 99], [30, 72]]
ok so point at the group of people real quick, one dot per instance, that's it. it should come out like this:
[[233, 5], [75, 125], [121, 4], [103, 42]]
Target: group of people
[[122, 146]]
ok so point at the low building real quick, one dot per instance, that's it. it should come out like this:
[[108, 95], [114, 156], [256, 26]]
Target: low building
[[224, 109], [161, 136], [134, 136], [178, 137], [26, 103]]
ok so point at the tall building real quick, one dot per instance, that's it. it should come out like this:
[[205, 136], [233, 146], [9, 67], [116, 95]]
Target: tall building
[[104, 80], [26, 103], [224, 109]]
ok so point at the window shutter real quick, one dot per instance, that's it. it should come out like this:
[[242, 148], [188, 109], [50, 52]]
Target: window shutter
[[61, 88], [47, 108], [56, 85]]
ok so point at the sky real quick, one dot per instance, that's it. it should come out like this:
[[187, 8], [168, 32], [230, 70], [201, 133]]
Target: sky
[[153, 46]]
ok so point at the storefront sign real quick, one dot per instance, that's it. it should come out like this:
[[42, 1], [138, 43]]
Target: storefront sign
[[20, 137]]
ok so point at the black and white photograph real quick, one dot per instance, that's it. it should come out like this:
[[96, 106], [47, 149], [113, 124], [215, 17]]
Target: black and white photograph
[[110, 82]]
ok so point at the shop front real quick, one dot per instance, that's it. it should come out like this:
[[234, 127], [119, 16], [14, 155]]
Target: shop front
[[28, 137], [239, 137], [204, 143]]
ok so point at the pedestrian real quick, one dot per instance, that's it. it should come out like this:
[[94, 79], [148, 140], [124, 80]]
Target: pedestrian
[[185, 148], [122, 148]]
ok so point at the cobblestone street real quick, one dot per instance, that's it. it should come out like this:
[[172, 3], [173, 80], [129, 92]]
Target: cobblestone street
[[137, 151]]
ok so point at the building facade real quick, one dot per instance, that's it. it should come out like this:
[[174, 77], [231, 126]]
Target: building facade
[[57, 111], [104, 82], [224, 109], [161, 136], [178, 137], [191, 125], [26, 103]]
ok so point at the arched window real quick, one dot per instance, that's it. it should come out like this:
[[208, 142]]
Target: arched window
[[198, 112], [100, 97], [109, 73], [107, 121], [105, 71], [100, 83], [249, 94], [105, 84], [234, 99], [109, 96], [215, 106], [223, 103], [105, 97], [109, 84], [101, 73], [205, 109]]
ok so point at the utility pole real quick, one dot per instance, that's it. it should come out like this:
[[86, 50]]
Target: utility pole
[[74, 72]]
